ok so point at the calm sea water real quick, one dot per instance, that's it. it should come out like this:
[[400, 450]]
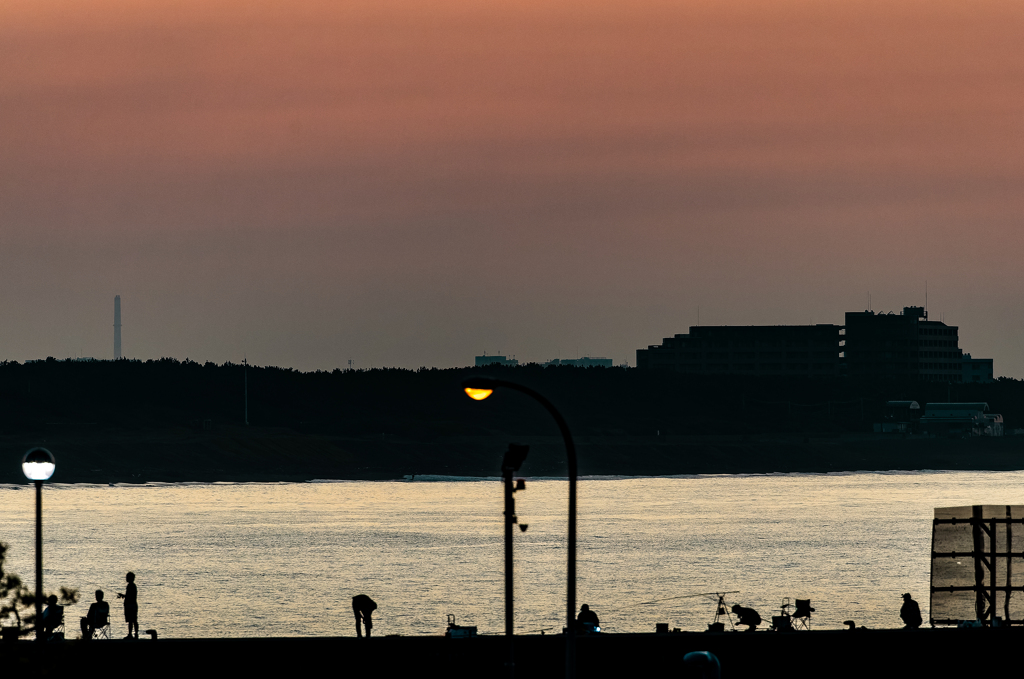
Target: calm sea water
[[285, 559]]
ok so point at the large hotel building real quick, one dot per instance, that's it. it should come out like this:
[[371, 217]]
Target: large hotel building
[[869, 345]]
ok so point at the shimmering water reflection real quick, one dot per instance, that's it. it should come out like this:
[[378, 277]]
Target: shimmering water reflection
[[285, 559]]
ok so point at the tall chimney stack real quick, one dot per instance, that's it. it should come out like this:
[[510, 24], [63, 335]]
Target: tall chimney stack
[[117, 327]]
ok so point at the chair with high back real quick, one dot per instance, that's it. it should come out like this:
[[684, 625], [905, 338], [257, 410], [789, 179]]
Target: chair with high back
[[802, 614], [96, 625], [101, 627]]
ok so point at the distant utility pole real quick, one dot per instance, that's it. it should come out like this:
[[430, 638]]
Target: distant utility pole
[[117, 327], [245, 372]]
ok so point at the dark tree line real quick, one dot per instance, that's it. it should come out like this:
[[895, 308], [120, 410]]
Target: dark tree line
[[428, 403]]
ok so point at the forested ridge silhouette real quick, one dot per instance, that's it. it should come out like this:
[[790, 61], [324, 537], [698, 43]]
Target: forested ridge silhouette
[[165, 419]]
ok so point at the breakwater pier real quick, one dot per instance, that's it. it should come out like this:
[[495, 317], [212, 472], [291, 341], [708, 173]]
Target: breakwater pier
[[832, 653]]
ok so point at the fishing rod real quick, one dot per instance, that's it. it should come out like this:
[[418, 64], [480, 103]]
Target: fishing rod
[[717, 595], [720, 609]]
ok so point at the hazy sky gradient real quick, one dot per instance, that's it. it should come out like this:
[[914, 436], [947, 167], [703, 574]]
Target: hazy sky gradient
[[412, 183]]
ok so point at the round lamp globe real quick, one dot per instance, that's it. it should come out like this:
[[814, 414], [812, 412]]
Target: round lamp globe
[[38, 464]]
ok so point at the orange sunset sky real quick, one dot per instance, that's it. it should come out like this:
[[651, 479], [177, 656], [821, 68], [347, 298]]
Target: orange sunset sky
[[409, 183]]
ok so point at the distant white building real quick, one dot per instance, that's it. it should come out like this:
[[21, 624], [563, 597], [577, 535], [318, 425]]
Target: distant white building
[[495, 360], [585, 362], [961, 419], [79, 359]]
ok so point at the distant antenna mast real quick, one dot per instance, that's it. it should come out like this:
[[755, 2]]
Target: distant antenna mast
[[926, 298], [117, 327], [245, 372]]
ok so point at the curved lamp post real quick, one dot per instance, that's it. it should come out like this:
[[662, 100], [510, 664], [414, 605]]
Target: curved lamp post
[[478, 389], [38, 465], [513, 460]]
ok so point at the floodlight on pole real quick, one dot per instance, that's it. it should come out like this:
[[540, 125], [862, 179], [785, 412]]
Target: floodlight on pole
[[479, 388], [38, 465]]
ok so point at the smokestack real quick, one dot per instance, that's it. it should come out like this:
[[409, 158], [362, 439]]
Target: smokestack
[[117, 327]]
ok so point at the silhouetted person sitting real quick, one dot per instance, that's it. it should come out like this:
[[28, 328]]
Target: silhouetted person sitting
[[910, 613], [746, 616], [131, 606], [53, 616], [587, 616], [97, 617], [363, 607]]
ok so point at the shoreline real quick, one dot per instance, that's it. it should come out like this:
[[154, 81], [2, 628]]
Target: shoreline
[[430, 478], [236, 454]]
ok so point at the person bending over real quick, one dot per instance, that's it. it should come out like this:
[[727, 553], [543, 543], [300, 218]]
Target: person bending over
[[363, 607], [747, 616]]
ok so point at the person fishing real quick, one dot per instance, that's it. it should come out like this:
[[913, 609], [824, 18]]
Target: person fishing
[[747, 616], [910, 613], [363, 607], [131, 606], [587, 617]]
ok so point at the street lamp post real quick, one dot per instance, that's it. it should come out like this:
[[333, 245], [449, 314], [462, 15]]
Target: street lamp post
[[478, 389], [513, 460], [38, 465]]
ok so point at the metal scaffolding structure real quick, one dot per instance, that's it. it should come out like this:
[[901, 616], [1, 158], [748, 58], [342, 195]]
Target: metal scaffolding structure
[[977, 565]]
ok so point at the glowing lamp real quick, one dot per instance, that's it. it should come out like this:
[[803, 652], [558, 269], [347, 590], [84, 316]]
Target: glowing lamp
[[480, 387], [38, 464]]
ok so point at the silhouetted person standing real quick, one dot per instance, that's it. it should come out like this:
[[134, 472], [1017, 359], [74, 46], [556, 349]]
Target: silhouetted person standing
[[587, 616], [97, 617], [910, 612], [363, 607], [747, 616], [131, 606]]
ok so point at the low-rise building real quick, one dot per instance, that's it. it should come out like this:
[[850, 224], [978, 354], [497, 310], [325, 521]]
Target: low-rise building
[[977, 369], [961, 419], [585, 362], [495, 360], [901, 417]]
